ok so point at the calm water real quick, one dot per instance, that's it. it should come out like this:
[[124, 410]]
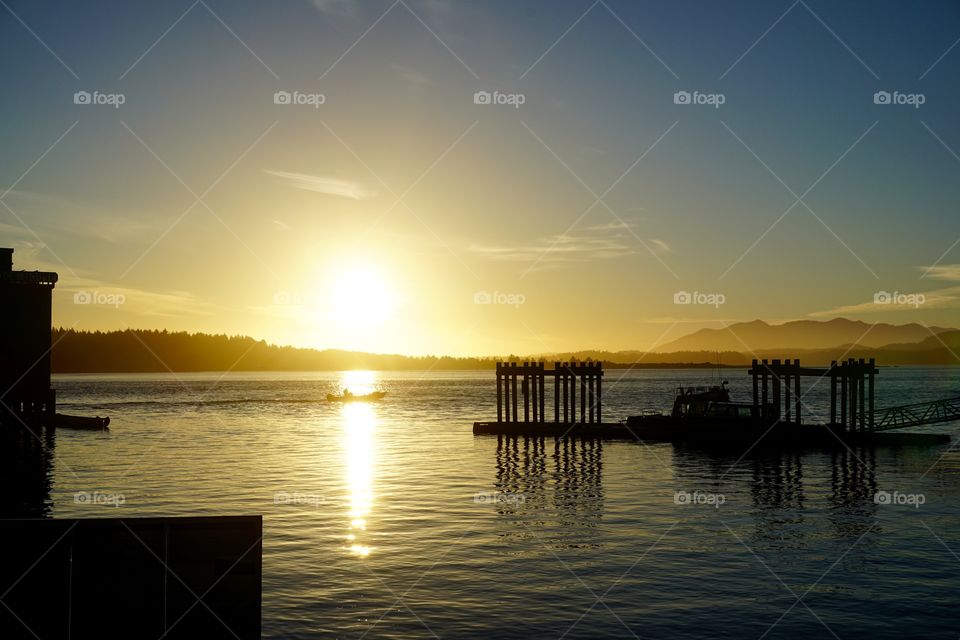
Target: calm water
[[384, 520]]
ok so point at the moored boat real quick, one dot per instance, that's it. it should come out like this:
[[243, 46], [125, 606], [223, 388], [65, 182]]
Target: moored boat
[[95, 423]]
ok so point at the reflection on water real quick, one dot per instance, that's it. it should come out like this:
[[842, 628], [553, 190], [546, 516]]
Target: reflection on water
[[565, 480], [359, 423], [26, 467], [359, 382], [853, 485], [408, 470]]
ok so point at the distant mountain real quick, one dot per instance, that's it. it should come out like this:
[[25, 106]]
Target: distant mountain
[[161, 351], [802, 334]]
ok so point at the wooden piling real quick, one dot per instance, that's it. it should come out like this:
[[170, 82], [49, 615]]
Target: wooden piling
[[833, 392], [776, 389]]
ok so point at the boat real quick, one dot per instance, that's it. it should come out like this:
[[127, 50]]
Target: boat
[[705, 416], [346, 396], [96, 423]]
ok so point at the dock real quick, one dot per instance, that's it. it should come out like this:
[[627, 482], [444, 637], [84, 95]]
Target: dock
[[773, 418], [577, 402]]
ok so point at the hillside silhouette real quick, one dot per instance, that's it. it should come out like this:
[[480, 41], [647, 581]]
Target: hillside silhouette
[[801, 334], [139, 350]]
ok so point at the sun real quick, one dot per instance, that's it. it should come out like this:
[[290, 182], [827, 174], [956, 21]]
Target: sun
[[360, 296]]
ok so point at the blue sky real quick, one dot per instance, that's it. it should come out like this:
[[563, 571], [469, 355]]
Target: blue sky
[[400, 173]]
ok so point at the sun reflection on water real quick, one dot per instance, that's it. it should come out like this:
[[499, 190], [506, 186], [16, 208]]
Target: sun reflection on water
[[358, 382], [359, 450]]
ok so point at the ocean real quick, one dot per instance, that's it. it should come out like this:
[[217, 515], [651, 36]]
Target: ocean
[[391, 520]]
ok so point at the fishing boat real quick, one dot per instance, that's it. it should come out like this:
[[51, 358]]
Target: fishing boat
[[346, 396], [96, 423]]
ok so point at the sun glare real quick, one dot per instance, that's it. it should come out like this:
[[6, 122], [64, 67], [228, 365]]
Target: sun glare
[[361, 296]]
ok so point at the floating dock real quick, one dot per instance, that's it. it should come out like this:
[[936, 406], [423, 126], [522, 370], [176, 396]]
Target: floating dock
[[773, 419]]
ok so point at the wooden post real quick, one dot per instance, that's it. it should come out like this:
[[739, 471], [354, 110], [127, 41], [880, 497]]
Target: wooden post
[[863, 407], [776, 389], [852, 388], [566, 402], [573, 392], [756, 389], [796, 390], [787, 402], [506, 392], [599, 393], [542, 389], [556, 391], [764, 378], [588, 380], [499, 394], [513, 383], [873, 365], [843, 394], [583, 395], [833, 392]]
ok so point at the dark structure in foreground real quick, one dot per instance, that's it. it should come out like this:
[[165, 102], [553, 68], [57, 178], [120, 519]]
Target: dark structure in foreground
[[195, 577], [706, 417], [25, 319]]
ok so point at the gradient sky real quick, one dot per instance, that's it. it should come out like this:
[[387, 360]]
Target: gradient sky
[[202, 205]]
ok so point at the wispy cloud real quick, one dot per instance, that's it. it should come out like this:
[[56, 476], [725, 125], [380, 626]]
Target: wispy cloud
[[554, 251], [939, 299], [949, 272], [946, 297], [78, 219], [336, 7], [137, 302], [324, 184], [410, 74], [605, 241]]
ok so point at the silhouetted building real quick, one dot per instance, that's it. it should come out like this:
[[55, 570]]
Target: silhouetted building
[[25, 328]]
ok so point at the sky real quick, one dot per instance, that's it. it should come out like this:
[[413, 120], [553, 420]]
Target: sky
[[482, 177]]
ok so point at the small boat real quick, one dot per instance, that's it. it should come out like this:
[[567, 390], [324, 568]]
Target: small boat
[[64, 421], [346, 396]]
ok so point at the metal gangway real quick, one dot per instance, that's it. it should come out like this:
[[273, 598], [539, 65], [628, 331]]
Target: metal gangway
[[912, 415]]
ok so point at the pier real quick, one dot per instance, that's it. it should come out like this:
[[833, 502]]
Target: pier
[[577, 400], [25, 335], [775, 414], [777, 391]]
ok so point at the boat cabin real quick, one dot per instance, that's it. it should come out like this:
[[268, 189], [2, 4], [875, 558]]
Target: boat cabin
[[694, 401]]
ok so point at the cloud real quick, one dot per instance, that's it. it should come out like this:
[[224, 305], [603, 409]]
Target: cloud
[[324, 184], [336, 7], [939, 299], [605, 241], [162, 304], [659, 246], [66, 216], [949, 272], [410, 75], [553, 251]]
